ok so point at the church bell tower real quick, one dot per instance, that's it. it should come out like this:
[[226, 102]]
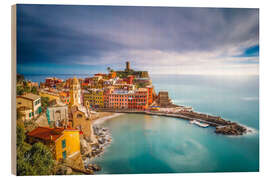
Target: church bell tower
[[75, 93]]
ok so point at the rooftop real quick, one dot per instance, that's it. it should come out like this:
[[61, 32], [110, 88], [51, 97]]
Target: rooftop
[[48, 134], [122, 92], [30, 96]]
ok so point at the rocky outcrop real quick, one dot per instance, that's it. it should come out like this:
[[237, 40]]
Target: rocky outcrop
[[103, 137], [93, 167], [90, 150], [232, 129], [63, 170]]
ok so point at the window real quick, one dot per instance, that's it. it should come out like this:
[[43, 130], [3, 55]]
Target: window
[[63, 143], [64, 154]]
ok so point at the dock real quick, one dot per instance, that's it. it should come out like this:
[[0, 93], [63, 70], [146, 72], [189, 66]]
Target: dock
[[204, 125]]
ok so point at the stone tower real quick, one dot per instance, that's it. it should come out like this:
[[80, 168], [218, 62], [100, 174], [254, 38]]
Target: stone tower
[[75, 93], [127, 66]]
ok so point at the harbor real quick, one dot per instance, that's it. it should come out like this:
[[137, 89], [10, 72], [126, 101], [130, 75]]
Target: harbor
[[222, 126]]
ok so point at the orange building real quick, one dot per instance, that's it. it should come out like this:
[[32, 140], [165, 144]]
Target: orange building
[[150, 94], [139, 99], [112, 75], [124, 99]]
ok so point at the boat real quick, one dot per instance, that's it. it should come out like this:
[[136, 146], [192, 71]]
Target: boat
[[204, 125]]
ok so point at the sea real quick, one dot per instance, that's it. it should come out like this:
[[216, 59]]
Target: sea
[[156, 144]]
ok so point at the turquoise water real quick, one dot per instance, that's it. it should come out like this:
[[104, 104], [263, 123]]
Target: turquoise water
[[153, 144]]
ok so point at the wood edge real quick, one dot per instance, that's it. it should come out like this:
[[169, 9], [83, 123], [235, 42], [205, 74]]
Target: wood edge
[[13, 86]]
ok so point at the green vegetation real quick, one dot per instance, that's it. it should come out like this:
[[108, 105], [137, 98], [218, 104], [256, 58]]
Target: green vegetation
[[138, 74], [24, 88], [44, 103], [110, 70], [124, 74], [141, 85], [32, 160], [20, 78]]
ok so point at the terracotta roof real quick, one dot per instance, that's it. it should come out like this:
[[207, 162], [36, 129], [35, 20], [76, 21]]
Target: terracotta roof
[[48, 134]]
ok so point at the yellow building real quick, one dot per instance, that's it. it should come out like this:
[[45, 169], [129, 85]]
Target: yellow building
[[75, 93], [93, 98], [64, 143], [31, 101], [26, 113]]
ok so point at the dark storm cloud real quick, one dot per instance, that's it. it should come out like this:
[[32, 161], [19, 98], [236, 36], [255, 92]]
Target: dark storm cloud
[[99, 34]]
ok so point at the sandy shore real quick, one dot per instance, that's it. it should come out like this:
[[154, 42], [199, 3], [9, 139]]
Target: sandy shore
[[106, 117]]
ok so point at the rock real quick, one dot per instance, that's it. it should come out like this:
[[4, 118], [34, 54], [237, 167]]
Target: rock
[[68, 170], [90, 171], [61, 170], [96, 167], [232, 129], [93, 167]]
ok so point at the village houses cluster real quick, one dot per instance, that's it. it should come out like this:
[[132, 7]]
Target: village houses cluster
[[72, 103]]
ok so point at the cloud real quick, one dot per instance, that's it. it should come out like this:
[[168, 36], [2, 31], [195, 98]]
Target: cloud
[[153, 37]]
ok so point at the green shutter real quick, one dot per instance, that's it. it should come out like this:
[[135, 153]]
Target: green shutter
[[63, 143], [64, 154], [48, 115]]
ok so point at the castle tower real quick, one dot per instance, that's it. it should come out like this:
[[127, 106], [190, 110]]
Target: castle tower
[[75, 92], [127, 66]]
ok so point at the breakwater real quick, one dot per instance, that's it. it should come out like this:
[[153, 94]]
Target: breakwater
[[222, 126]]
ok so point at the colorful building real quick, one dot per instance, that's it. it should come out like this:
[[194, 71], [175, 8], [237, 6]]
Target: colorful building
[[129, 79], [150, 94], [64, 143], [124, 99], [64, 97], [128, 87], [118, 99], [31, 101], [112, 75], [26, 113], [93, 98], [139, 99], [52, 81]]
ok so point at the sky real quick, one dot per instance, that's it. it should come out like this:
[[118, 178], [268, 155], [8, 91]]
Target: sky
[[58, 39]]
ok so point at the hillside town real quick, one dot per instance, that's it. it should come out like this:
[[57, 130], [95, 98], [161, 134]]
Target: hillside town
[[61, 113]]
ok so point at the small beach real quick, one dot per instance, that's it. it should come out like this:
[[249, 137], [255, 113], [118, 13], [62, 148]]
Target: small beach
[[105, 116]]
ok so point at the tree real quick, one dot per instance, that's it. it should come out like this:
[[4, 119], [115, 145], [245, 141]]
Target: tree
[[41, 158], [20, 132], [20, 78], [109, 69], [32, 160], [20, 90], [34, 90]]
